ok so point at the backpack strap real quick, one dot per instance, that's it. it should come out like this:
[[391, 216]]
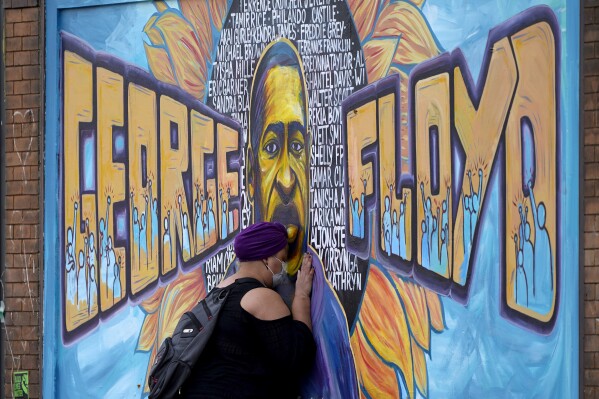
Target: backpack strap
[[195, 320]]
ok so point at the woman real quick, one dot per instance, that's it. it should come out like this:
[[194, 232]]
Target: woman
[[259, 348]]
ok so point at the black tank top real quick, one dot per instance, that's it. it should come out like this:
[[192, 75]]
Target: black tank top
[[251, 358]]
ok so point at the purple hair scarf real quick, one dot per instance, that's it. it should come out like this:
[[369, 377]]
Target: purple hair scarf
[[260, 241]]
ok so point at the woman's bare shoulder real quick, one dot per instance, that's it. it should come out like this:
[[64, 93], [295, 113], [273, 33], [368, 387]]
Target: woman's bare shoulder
[[264, 304]]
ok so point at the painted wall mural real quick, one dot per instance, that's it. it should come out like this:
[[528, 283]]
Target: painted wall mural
[[426, 152]]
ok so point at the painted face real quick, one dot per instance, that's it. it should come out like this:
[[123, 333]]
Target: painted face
[[281, 191]]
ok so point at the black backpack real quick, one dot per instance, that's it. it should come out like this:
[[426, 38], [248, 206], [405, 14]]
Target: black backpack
[[179, 353]]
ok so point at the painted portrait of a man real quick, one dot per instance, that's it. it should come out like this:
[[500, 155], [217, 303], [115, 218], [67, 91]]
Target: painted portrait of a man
[[278, 145]]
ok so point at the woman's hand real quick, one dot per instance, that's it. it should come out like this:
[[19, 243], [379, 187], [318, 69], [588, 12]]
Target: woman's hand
[[303, 284]]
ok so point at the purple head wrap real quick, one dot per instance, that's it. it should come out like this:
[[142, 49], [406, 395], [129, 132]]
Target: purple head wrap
[[260, 240]]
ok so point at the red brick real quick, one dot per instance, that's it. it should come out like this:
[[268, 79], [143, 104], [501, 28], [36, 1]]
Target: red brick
[[23, 347], [13, 275], [9, 61], [22, 173], [14, 102], [591, 309], [29, 362], [13, 16], [9, 87], [14, 217], [9, 30], [590, 119], [589, 324], [22, 58], [14, 129], [34, 389], [14, 44], [30, 129], [591, 136], [8, 202], [34, 375], [30, 304], [13, 73], [35, 86], [31, 217], [591, 206], [590, 102], [591, 33], [591, 67], [589, 360], [591, 342], [26, 202], [22, 87], [31, 333], [13, 304], [589, 16], [33, 72], [591, 83], [589, 289], [31, 100], [30, 14], [591, 240], [28, 144], [591, 274], [589, 188], [24, 28], [32, 43], [31, 246], [589, 260], [591, 223]]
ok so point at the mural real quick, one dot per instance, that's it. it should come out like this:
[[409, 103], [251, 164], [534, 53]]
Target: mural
[[418, 149]]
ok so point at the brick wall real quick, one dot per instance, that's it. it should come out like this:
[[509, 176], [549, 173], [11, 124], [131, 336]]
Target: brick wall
[[22, 291], [591, 201]]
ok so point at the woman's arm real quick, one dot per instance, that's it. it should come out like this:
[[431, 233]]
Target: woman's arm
[[300, 309]]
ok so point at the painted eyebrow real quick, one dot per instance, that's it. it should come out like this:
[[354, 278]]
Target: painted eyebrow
[[293, 126], [277, 128]]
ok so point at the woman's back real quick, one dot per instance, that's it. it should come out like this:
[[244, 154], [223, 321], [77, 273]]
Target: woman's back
[[251, 358]]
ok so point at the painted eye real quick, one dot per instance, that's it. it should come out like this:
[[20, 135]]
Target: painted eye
[[296, 147], [271, 148]]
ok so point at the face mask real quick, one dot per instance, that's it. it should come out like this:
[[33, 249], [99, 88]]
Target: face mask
[[277, 279], [283, 264]]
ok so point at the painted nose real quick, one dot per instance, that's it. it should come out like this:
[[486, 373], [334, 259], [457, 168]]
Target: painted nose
[[286, 182]]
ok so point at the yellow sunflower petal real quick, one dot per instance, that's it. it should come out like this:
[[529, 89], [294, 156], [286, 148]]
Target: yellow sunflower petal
[[364, 13], [420, 372], [184, 49], [376, 377], [414, 301], [385, 324], [180, 296], [152, 303], [378, 54], [418, 3], [435, 310], [198, 15], [160, 5], [153, 33], [147, 337], [160, 64], [405, 20], [218, 10]]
